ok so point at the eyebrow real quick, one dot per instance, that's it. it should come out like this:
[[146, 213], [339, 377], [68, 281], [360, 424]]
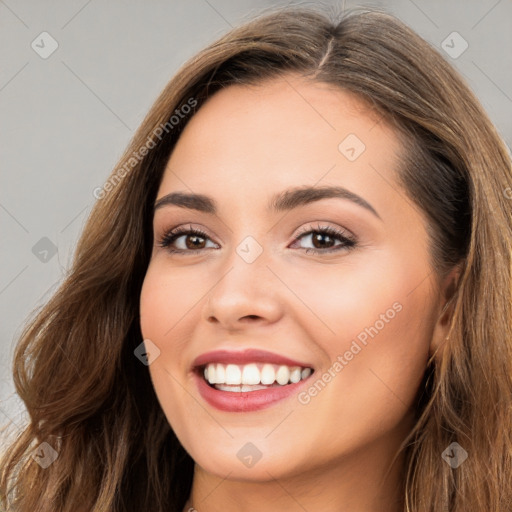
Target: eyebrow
[[282, 201]]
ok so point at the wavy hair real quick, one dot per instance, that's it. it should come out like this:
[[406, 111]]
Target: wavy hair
[[90, 398]]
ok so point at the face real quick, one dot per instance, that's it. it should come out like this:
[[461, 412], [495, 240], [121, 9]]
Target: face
[[329, 294]]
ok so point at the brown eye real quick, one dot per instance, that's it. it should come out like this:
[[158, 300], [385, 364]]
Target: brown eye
[[327, 239], [184, 240], [194, 241], [322, 241]]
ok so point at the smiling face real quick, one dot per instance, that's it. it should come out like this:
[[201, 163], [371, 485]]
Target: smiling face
[[337, 281]]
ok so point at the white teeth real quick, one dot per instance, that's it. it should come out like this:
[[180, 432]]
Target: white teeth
[[211, 378], [233, 375], [283, 375], [238, 389], [295, 375], [220, 373], [268, 374], [253, 376], [305, 373]]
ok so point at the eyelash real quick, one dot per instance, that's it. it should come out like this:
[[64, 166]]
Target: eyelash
[[348, 242]]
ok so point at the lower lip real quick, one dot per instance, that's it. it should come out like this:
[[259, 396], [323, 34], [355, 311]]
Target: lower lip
[[247, 401]]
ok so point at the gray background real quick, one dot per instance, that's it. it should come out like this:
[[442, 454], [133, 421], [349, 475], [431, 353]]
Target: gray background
[[66, 119]]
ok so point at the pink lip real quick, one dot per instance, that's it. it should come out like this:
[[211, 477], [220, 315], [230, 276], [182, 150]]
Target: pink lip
[[250, 400], [245, 357], [245, 401]]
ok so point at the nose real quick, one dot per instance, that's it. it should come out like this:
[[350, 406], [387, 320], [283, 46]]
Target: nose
[[246, 294]]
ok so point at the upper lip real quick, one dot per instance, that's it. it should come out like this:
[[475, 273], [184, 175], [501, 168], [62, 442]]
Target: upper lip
[[246, 356]]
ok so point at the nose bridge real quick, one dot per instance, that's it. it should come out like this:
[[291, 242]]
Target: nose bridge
[[245, 287]]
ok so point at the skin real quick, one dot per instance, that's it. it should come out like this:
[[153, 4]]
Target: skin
[[333, 453]]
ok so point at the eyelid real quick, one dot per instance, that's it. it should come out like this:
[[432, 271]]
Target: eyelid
[[304, 230], [179, 231], [347, 238]]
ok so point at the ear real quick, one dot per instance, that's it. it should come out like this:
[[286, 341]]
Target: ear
[[446, 306]]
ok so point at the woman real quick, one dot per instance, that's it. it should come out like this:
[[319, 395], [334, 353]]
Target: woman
[[294, 291]]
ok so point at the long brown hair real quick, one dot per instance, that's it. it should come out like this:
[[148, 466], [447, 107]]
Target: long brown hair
[[91, 399]]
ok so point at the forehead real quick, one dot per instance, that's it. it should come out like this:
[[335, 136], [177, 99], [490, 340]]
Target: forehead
[[281, 132]]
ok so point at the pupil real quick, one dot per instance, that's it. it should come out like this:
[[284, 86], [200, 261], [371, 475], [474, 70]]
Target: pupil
[[194, 244], [318, 238]]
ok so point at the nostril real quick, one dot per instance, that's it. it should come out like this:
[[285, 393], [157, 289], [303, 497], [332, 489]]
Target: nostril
[[252, 317]]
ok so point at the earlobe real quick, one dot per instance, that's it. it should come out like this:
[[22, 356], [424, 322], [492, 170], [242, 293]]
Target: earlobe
[[442, 326]]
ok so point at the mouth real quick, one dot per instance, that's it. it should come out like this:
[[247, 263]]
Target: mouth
[[251, 380], [248, 380]]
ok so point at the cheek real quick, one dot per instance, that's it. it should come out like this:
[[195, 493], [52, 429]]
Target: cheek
[[153, 300], [380, 325], [165, 307], [376, 291], [370, 386], [166, 298], [164, 302]]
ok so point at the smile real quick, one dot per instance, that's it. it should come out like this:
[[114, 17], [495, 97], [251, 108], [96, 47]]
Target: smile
[[248, 380]]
